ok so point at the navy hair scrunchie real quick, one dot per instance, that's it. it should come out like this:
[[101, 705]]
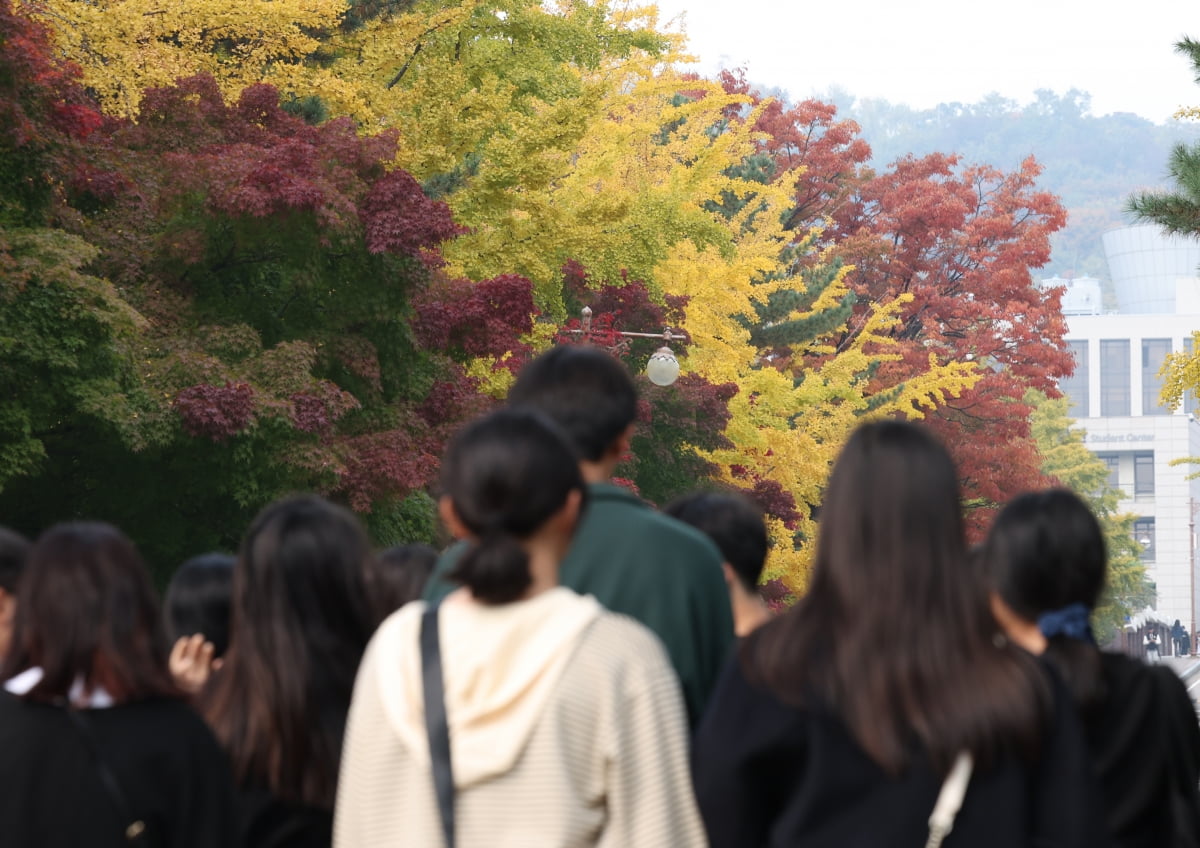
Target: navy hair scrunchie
[[1071, 621]]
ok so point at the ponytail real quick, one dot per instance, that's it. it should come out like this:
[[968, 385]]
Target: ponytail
[[1078, 664], [495, 569]]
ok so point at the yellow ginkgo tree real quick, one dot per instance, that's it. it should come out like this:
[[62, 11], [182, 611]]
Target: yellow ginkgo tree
[[127, 46], [646, 195]]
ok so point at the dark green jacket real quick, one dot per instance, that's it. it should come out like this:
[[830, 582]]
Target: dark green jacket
[[667, 575]]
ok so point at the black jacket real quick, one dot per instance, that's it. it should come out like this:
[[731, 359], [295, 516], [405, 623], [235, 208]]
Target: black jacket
[[770, 774], [1145, 723], [164, 758]]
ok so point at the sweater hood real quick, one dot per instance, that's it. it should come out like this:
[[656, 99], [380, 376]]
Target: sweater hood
[[500, 664]]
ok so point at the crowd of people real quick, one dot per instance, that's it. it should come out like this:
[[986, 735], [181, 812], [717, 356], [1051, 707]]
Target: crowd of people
[[580, 669]]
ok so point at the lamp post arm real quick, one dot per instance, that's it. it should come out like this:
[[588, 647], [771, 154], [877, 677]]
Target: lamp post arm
[[663, 367], [667, 336]]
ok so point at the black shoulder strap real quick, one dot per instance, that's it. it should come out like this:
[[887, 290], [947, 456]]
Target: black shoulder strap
[[135, 829], [436, 725]]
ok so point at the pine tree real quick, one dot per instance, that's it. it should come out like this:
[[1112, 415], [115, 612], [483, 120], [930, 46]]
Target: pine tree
[[1176, 211]]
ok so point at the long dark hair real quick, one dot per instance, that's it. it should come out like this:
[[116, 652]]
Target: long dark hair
[[86, 611], [506, 474], [1046, 552], [895, 634], [300, 623]]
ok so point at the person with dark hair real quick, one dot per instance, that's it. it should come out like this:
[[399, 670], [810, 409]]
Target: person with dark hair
[[398, 576], [888, 690], [14, 548], [197, 613], [1046, 559], [631, 558], [301, 619], [738, 530], [566, 727], [99, 746], [1178, 634]]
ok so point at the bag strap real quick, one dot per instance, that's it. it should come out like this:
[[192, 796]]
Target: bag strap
[[950, 799], [136, 827], [436, 726]]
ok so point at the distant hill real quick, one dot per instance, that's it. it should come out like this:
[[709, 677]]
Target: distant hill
[[1092, 162]]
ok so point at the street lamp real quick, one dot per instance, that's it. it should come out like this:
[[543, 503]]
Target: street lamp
[[663, 368]]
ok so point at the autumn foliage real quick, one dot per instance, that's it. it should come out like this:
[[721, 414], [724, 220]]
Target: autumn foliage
[[961, 241], [299, 249], [261, 319]]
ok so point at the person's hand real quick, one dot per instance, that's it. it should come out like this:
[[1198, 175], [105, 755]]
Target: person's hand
[[192, 662]]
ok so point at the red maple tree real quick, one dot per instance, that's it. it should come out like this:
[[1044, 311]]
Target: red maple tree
[[963, 240], [44, 112]]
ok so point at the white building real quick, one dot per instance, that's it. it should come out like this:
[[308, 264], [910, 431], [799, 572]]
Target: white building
[[1115, 397]]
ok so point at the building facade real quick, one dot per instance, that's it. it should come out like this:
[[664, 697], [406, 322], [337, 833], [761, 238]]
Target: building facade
[[1114, 396]]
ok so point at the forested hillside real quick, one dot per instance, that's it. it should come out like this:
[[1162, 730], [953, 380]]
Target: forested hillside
[[1092, 162]]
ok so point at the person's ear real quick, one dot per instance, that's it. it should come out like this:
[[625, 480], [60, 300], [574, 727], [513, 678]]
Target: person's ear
[[1020, 630], [730, 577], [571, 509], [450, 518], [622, 446], [565, 519]]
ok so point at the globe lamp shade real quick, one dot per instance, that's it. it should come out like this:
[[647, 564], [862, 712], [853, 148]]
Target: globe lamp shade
[[663, 367]]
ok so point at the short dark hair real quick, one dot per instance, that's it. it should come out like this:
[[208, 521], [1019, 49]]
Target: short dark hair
[[506, 475], [86, 611], [399, 574], [14, 550], [198, 600], [584, 390], [734, 524], [1045, 551]]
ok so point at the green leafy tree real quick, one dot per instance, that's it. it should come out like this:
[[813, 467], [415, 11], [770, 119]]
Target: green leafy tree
[[65, 334], [219, 304], [1067, 460]]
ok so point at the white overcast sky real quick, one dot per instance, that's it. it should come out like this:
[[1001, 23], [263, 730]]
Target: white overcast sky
[[924, 52]]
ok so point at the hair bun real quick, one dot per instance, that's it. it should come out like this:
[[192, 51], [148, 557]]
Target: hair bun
[[495, 569]]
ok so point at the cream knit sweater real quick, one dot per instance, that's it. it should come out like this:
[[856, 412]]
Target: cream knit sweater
[[567, 729]]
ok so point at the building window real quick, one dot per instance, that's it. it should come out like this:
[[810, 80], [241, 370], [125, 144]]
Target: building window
[[1114, 377], [1143, 532], [1143, 474], [1075, 387], [1112, 461], [1154, 351]]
